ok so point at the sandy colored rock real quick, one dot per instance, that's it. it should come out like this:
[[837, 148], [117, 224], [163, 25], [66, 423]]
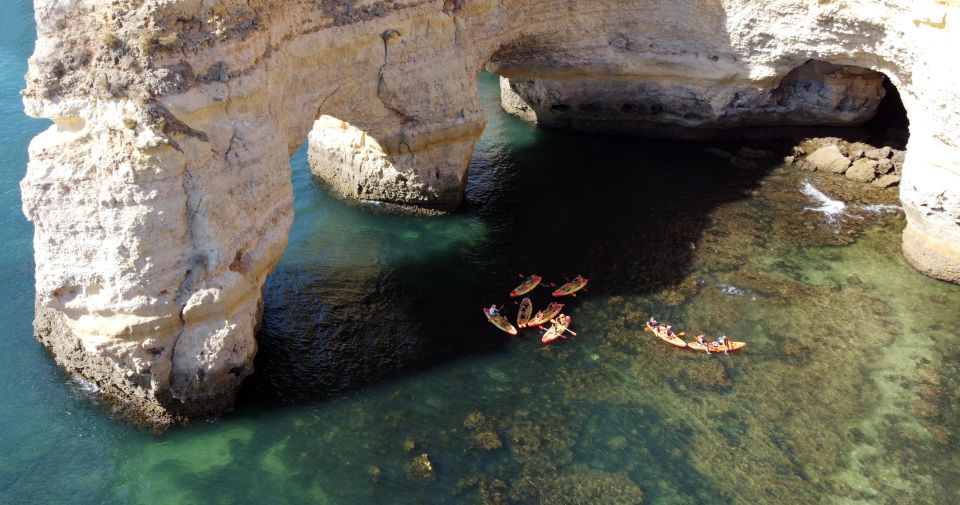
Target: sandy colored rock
[[829, 158], [887, 180], [862, 170], [161, 194]]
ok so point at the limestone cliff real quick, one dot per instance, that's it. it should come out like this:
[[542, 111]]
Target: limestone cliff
[[161, 195]]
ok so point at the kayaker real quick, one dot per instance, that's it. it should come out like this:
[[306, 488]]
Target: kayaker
[[492, 311], [722, 342], [652, 323], [701, 342], [670, 331]]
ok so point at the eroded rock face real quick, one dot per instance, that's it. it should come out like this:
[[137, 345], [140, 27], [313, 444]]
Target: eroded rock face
[[161, 195], [815, 93]]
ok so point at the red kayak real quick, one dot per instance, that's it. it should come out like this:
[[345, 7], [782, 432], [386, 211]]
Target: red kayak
[[500, 321], [544, 316], [526, 286], [571, 287]]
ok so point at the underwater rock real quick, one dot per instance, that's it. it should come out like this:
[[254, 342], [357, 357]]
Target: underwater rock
[[475, 421], [487, 440], [421, 467], [161, 195], [409, 445]]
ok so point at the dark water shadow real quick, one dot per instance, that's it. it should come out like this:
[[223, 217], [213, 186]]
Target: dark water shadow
[[622, 211]]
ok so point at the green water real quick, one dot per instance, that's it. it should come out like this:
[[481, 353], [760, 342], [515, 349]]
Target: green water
[[373, 342]]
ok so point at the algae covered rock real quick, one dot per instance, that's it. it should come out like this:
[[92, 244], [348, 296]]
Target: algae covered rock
[[487, 440], [421, 467]]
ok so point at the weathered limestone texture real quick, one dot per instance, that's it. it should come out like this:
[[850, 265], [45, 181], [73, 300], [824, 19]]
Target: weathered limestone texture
[[161, 194], [676, 105]]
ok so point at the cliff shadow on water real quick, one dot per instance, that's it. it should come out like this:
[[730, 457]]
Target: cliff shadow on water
[[363, 295]]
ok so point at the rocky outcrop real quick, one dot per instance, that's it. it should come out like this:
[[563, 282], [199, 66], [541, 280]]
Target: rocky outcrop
[[654, 103], [859, 161], [161, 194]]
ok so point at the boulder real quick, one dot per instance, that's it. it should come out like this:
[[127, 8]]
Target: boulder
[[878, 154], [862, 170], [884, 166], [887, 180], [829, 158]]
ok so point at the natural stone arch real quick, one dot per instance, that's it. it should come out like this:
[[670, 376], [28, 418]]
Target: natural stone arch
[[161, 196]]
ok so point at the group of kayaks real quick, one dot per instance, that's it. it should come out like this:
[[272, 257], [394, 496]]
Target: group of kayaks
[[560, 323], [665, 332]]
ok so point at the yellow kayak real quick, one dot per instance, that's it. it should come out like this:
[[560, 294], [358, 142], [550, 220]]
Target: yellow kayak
[[556, 331], [730, 346], [571, 287], [500, 321], [672, 340], [544, 316], [526, 309]]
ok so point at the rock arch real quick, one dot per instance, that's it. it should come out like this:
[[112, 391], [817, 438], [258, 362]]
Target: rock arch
[[161, 196]]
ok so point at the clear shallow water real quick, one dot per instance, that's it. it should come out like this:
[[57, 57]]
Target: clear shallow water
[[372, 339]]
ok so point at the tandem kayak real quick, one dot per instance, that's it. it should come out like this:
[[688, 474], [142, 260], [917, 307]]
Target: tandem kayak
[[523, 315], [662, 335], [500, 321], [713, 347], [571, 287], [544, 316], [526, 286], [556, 331]]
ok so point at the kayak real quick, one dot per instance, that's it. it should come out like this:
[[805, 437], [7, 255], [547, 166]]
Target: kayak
[[526, 308], [674, 340], [556, 331], [713, 347], [545, 315], [526, 286], [500, 321], [571, 287]]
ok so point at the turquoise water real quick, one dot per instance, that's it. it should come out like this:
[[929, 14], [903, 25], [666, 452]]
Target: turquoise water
[[373, 350]]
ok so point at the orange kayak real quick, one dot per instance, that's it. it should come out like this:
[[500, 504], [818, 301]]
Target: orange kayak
[[500, 321], [526, 286], [662, 335], [556, 331], [571, 287], [545, 315], [526, 308], [713, 347]]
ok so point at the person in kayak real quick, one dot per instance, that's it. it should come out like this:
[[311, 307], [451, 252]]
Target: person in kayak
[[492, 311], [722, 342], [653, 323], [670, 332], [701, 342]]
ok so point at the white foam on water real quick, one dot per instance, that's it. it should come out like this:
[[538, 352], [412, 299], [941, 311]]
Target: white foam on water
[[881, 208], [727, 289], [86, 386], [828, 206]]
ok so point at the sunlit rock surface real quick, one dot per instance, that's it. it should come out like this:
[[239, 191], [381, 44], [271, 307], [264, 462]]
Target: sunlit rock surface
[[161, 195]]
